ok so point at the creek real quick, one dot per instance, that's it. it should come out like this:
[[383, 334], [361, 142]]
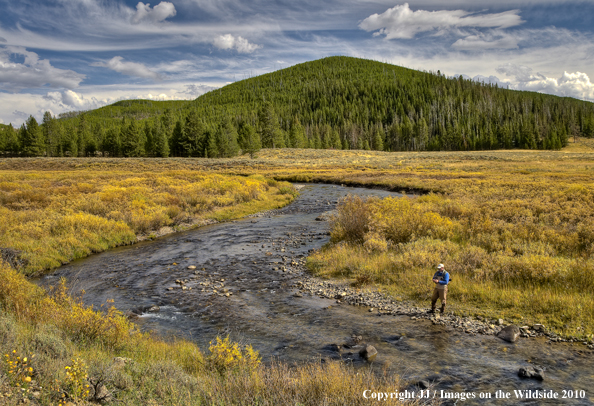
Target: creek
[[244, 285]]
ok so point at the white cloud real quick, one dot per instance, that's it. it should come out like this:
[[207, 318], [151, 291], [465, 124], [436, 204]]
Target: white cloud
[[157, 14], [401, 22], [520, 72], [575, 84], [128, 68], [33, 72], [238, 43], [197, 90], [482, 41], [69, 99], [15, 108]]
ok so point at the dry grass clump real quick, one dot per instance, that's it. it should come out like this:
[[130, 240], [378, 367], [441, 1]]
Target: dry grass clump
[[54, 217]]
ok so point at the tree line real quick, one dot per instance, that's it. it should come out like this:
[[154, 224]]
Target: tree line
[[337, 102]]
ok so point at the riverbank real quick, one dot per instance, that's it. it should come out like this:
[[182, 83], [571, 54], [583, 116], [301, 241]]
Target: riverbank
[[60, 350], [54, 217]]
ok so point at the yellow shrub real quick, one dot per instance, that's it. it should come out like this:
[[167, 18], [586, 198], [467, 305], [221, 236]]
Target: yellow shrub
[[226, 355]]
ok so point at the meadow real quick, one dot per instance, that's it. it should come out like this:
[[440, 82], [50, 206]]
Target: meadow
[[54, 350], [53, 217], [514, 228]]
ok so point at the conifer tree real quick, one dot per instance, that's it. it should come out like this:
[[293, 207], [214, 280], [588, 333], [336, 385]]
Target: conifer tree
[[160, 142], [297, 137], [111, 142], [210, 145], [51, 134], [82, 135], [193, 135], [226, 139], [31, 138], [378, 138], [268, 123], [175, 142], [250, 140], [133, 140]]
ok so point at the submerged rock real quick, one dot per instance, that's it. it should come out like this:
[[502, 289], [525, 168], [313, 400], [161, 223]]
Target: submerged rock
[[368, 353], [531, 373], [509, 333]]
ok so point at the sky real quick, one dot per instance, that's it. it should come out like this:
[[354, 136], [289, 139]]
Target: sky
[[70, 55]]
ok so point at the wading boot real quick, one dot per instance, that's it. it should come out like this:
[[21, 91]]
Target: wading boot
[[442, 308], [432, 307]]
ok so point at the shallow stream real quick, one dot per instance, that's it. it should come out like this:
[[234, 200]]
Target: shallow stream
[[244, 285]]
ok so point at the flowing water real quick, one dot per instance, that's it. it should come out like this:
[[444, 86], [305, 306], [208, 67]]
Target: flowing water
[[243, 285]]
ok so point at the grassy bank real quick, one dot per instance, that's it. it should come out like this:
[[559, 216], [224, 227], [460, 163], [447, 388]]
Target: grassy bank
[[53, 217]]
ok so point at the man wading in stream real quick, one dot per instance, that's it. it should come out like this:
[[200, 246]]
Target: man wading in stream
[[441, 280]]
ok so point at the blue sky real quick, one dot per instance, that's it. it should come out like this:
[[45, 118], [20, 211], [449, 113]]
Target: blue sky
[[64, 55]]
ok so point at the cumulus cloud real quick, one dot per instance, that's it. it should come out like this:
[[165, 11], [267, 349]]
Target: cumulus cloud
[[576, 84], [33, 72], [128, 68], [157, 14], [72, 100], [401, 22], [238, 43]]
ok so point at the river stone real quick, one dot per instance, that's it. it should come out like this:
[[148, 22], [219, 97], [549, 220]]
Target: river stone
[[153, 309], [192, 267], [509, 333], [538, 327], [368, 353], [532, 373]]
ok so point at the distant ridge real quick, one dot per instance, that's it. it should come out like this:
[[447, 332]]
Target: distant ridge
[[335, 102]]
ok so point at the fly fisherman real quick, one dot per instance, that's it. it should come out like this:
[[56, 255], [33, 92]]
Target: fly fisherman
[[441, 280]]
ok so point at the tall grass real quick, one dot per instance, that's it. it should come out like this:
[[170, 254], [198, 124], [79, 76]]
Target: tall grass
[[506, 262], [54, 217]]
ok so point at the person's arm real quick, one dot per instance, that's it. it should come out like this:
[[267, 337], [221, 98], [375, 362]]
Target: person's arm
[[446, 279]]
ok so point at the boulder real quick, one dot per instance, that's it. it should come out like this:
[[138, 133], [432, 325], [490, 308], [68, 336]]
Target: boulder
[[368, 353], [509, 333], [531, 373]]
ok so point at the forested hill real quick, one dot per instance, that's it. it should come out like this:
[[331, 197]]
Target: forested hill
[[336, 102]]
